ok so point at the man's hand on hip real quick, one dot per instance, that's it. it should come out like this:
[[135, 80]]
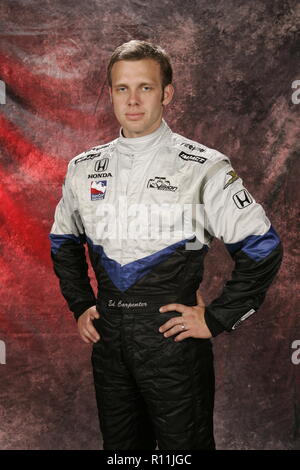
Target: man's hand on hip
[[190, 324], [86, 329]]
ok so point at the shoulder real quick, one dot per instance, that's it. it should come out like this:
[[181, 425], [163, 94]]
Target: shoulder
[[88, 155], [195, 153]]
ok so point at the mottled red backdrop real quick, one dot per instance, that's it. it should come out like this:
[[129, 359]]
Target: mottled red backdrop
[[234, 65]]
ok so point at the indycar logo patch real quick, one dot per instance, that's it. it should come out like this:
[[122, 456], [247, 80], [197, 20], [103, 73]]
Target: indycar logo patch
[[98, 190]]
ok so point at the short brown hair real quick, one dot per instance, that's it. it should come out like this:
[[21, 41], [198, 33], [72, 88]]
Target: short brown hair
[[137, 50]]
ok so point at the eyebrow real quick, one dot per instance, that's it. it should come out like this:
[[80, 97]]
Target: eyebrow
[[140, 84]]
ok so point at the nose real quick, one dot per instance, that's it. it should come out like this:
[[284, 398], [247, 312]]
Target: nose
[[133, 98]]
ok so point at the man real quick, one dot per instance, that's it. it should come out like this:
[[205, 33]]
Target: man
[[151, 332]]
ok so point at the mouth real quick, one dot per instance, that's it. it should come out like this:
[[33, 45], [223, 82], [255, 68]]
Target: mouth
[[134, 116]]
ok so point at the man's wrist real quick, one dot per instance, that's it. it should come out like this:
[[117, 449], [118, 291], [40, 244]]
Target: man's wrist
[[214, 326], [81, 308]]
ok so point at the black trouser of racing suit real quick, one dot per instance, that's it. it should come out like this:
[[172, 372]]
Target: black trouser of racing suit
[[150, 389]]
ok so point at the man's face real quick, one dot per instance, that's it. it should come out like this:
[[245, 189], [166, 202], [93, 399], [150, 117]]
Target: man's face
[[136, 95]]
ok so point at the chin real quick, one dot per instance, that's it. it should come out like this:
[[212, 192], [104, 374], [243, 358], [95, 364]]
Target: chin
[[135, 126]]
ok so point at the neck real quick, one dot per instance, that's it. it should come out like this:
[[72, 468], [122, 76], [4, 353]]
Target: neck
[[134, 145], [134, 135]]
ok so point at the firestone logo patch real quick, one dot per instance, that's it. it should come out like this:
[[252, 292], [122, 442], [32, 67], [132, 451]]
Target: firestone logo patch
[[98, 190]]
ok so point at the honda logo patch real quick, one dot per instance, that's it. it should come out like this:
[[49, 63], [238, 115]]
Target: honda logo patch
[[101, 165], [242, 199]]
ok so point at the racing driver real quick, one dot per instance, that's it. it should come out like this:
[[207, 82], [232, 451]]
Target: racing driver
[[149, 328]]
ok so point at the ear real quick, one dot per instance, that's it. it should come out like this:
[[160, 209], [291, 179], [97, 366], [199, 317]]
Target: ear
[[168, 94], [110, 95]]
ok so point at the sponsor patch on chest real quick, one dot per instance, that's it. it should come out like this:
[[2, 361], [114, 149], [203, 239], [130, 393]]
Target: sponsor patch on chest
[[98, 190], [161, 183]]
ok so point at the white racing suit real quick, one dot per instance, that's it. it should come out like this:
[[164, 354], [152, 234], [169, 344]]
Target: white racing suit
[[148, 209]]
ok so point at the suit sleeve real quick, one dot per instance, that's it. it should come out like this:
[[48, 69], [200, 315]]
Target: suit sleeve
[[233, 216], [67, 239]]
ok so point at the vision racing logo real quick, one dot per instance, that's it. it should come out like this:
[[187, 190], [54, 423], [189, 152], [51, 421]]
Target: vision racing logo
[[161, 183], [98, 190]]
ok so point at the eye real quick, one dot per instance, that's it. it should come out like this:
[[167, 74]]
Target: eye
[[121, 88], [146, 87]]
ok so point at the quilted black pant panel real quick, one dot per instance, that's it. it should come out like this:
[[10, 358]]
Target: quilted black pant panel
[[151, 389]]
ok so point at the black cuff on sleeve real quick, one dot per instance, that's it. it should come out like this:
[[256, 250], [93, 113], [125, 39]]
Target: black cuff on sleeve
[[213, 325], [81, 308]]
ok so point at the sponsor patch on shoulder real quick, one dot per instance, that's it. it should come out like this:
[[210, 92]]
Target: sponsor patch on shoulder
[[192, 158], [242, 199], [92, 153], [101, 146], [192, 147], [89, 156], [232, 179]]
